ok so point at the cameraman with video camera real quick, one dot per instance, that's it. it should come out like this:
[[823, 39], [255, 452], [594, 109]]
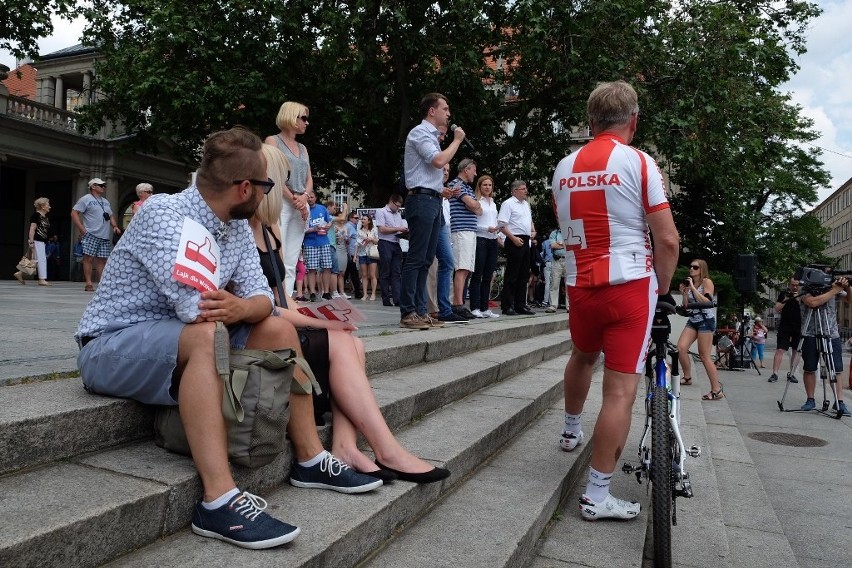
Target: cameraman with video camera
[[819, 297]]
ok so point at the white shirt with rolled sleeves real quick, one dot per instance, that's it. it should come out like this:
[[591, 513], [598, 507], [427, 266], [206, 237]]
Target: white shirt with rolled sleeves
[[602, 195]]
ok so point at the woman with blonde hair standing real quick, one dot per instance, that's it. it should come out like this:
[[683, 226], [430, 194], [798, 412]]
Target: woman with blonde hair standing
[[701, 325], [292, 120], [38, 235], [486, 250]]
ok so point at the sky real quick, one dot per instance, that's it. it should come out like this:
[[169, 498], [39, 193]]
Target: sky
[[822, 86]]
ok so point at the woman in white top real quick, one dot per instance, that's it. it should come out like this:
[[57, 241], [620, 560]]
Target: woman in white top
[[486, 249], [368, 235], [292, 120]]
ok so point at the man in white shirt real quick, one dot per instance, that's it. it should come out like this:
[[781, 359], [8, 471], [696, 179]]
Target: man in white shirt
[[515, 222]]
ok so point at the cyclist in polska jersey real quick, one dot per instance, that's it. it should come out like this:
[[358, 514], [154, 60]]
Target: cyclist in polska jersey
[[607, 196]]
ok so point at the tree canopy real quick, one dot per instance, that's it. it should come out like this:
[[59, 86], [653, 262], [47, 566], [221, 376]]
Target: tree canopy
[[707, 72], [24, 22]]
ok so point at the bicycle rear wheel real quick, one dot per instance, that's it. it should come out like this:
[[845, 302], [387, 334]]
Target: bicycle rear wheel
[[661, 479]]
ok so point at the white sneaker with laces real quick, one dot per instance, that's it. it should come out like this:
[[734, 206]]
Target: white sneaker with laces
[[570, 440], [609, 508], [478, 313], [335, 295], [490, 314], [347, 296]]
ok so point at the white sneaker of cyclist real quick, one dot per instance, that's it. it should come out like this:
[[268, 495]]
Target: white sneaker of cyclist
[[609, 508], [569, 440]]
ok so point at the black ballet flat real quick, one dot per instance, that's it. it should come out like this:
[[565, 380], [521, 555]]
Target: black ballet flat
[[435, 474], [385, 475]]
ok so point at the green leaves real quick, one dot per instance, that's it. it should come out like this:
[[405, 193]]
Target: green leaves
[[707, 73], [24, 22]]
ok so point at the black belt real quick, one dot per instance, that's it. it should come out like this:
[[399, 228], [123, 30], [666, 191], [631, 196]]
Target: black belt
[[424, 191]]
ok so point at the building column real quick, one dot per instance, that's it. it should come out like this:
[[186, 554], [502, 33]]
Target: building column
[[48, 88], [88, 95], [59, 94]]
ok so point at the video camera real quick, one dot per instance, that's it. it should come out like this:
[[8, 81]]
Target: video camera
[[817, 278]]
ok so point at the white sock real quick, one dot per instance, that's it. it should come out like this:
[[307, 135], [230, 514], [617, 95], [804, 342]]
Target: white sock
[[226, 498], [315, 460], [597, 487], [573, 423]]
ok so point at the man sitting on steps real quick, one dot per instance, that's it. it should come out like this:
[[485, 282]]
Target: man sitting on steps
[[148, 336]]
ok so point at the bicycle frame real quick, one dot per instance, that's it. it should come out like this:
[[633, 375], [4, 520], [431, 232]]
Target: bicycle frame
[[661, 377], [661, 449]]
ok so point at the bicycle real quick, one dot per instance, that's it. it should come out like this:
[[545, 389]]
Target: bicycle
[[662, 462]]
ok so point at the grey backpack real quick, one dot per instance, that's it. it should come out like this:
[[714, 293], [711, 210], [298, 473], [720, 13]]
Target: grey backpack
[[257, 387]]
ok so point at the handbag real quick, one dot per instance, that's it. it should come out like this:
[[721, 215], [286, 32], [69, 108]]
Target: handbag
[[373, 252], [27, 265], [255, 402]]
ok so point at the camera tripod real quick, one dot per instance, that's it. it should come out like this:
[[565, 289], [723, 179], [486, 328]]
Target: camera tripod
[[825, 364]]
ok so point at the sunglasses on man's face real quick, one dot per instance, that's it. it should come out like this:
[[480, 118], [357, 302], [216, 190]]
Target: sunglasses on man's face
[[266, 185]]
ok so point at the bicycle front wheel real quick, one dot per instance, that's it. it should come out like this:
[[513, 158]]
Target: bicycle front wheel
[[661, 478]]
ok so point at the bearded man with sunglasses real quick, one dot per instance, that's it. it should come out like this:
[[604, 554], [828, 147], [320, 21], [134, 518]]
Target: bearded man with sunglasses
[[148, 333]]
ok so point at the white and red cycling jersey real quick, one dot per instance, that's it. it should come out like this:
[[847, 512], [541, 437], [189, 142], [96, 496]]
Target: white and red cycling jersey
[[601, 196]]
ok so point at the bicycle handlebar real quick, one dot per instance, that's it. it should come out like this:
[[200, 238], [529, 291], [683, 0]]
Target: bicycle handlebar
[[700, 305], [665, 307]]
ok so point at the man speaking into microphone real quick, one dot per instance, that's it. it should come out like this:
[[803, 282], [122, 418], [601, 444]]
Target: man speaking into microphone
[[424, 176]]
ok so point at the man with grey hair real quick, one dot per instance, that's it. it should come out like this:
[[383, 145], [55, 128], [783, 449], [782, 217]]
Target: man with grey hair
[[464, 208], [607, 196], [93, 217], [515, 222]]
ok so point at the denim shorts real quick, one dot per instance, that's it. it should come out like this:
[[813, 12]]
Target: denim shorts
[[138, 361], [706, 325]]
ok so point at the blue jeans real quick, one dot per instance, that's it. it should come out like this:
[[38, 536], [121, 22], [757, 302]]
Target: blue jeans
[[480, 279], [425, 218], [444, 254]]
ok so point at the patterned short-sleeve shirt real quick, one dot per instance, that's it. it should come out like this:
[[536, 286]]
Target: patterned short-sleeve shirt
[[137, 282]]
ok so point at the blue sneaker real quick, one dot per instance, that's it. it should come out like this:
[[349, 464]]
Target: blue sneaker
[[331, 473], [810, 404], [242, 522], [844, 410]]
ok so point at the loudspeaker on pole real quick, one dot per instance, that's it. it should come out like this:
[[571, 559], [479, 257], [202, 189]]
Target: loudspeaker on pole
[[745, 273]]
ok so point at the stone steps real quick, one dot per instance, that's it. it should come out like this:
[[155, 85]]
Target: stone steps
[[80, 499]]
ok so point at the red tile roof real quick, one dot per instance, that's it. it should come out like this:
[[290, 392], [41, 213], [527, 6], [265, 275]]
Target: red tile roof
[[21, 82]]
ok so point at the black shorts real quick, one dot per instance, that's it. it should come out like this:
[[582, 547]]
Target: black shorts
[[789, 338], [315, 351]]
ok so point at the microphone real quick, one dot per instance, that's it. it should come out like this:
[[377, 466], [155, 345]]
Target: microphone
[[466, 140]]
